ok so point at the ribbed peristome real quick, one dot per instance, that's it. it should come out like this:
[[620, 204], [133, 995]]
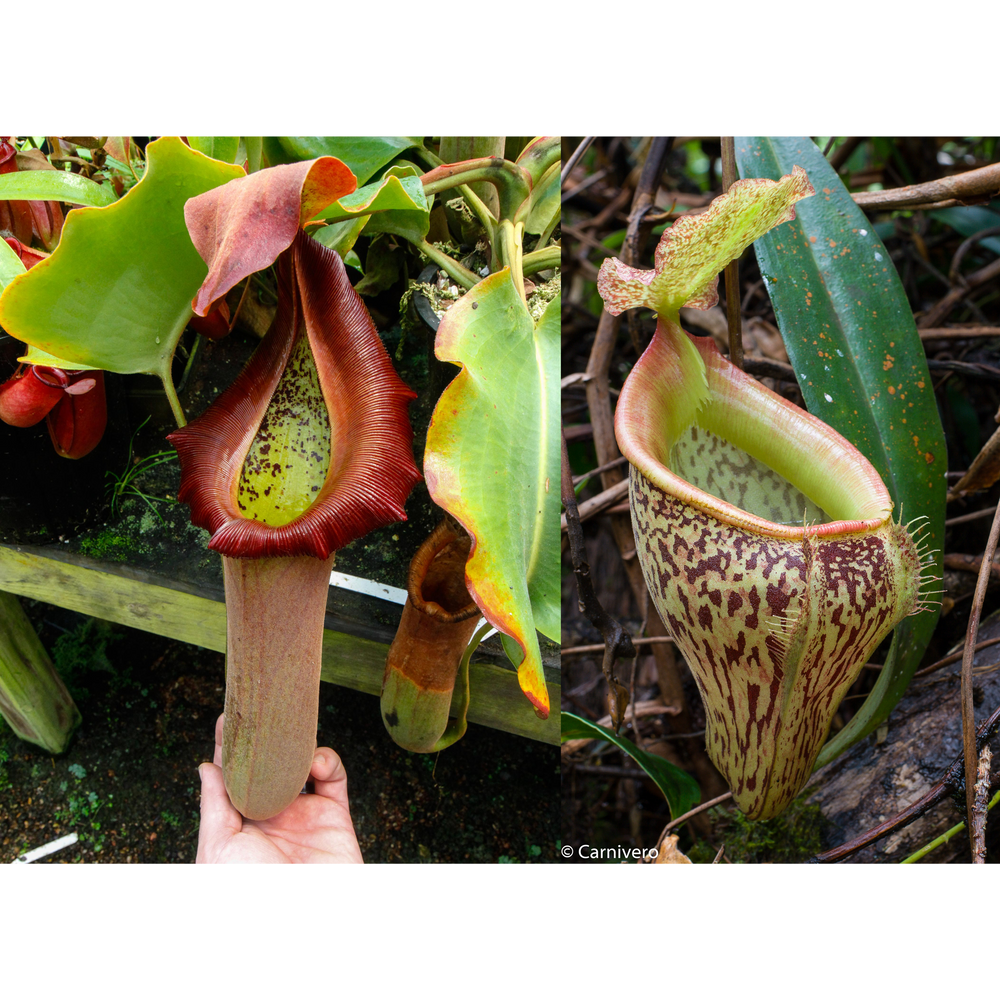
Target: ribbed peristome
[[371, 468]]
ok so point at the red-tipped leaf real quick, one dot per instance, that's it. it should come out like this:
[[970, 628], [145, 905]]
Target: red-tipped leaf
[[243, 226]]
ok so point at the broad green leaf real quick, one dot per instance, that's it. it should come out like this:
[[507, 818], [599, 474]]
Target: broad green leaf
[[492, 461], [387, 194], [10, 264], [969, 220], [33, 356], [411, 222], [545, 202], [341, 236], [55, 185], [365, 155], [218, 147], [851, 338], [679, 789], [116, 293]]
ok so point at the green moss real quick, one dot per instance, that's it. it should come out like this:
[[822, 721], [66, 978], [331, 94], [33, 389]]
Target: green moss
[[108, 545], [791, 838]]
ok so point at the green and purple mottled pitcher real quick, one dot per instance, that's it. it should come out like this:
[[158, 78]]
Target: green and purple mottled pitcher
[[765, 537]]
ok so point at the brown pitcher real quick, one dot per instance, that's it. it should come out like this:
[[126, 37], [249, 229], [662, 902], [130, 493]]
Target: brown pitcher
[[438, 622]]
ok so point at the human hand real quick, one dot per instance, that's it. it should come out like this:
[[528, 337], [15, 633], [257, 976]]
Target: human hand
[[315, 829]]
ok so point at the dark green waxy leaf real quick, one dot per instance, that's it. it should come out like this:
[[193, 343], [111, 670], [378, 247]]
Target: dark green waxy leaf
[[852, 341], [55, 185], [219, 147], [116, 293], [969, 220], [365, 155], [679, 788]]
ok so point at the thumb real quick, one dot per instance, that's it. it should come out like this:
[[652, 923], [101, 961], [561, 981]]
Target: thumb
[[220, 821]]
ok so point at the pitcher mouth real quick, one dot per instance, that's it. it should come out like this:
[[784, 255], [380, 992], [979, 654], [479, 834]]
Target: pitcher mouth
[[841, 487]]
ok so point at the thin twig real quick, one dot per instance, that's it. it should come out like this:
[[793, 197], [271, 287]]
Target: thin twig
[[953, 658], [958, 332], [597, 647], [968, 711], [601, 468], [617, 641], [975, 516], [954, 779], [718, 800], [979, 807], [574, 158], [980, 183], [596, 504]]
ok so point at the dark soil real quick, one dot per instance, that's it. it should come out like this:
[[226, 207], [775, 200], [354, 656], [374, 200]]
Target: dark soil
[[128, 784]]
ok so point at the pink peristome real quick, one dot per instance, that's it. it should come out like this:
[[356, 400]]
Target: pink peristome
[[371, 463], [696, 248], [242, 227]]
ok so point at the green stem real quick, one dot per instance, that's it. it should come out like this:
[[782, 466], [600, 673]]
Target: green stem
[[462, 275], [540, 260], [428, 157], [944, 838], [509, 246], [175, 403]]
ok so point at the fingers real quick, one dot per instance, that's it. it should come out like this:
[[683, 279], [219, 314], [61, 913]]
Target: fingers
[[329, 776], [220, 822], [217, 758]]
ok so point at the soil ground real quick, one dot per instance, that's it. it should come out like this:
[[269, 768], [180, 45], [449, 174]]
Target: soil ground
[[128, 784]]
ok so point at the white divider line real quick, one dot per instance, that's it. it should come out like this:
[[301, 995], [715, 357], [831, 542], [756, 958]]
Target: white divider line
[[397, 595], [47, 849]]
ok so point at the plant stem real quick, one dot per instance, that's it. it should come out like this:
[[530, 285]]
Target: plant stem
[[509, 244], [175, 403], [540, 260], [466, 278], [944, 838]]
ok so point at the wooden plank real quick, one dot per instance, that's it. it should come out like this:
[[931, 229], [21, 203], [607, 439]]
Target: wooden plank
[[351, 661]]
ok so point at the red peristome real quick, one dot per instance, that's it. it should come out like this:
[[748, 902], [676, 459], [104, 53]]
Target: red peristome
[[371, 468], [27, 397], [76, 424]]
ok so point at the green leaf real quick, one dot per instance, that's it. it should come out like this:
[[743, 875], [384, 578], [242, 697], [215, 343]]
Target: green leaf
[[116, 293], [341, 236], [251, 146], [679, 789], [390, 193], [492, 461], [413, 221], [219, 147], [852, 341], [545, 202], [969, 220], [365, 155], [55, 185], [10, 264]]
